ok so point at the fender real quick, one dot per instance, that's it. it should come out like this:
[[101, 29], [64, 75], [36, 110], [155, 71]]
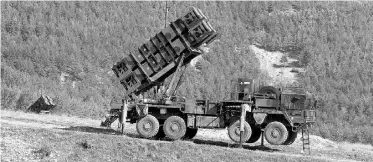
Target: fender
[[288, 119]]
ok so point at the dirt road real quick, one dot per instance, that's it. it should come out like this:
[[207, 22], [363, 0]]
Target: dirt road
[[23, 134]]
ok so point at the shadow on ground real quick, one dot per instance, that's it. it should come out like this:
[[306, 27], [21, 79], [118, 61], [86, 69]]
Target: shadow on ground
[[102, 130], [230, 145], [110, 131]]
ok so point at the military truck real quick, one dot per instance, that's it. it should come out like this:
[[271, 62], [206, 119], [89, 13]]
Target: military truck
[[277, 112]]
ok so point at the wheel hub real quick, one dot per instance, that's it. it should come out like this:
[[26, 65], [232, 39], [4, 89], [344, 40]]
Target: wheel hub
[[175, 127], [147, 126], [275, 133], [237, 131]]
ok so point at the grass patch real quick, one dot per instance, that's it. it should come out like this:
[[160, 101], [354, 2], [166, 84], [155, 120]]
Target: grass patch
[[83, 146]]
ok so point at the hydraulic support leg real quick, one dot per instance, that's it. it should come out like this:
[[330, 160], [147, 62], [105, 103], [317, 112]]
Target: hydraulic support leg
[[124, 114], [242, 121], [262, 139]]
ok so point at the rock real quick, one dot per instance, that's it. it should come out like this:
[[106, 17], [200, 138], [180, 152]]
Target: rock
[[44, 103]]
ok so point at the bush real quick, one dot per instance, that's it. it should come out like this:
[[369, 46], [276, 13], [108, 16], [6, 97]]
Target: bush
[[73, 105], [43, 152], [85, 144], [8, 98], [24, 101]]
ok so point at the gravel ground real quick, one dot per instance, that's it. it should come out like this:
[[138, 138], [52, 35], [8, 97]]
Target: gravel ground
[[14, 145]]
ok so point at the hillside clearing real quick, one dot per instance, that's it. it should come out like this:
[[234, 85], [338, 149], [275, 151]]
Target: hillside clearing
[[267, 59]]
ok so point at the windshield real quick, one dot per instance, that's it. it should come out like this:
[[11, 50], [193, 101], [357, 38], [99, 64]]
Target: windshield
[[293, 101]]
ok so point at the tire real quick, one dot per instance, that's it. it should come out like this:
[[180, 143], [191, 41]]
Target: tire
[[160, 134], [234, 131], [291, 138], [255, 135], [269, 90], [174, 127], [147, 126], [276, 133], [191, 133]]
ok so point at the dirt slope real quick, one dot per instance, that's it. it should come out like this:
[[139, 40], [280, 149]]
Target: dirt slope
[[33, 137], [282, 75]]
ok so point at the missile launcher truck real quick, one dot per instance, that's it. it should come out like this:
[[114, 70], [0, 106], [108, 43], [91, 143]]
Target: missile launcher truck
[[277, 114]]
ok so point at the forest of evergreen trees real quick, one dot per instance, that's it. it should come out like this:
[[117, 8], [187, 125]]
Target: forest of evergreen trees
[[332, 40]]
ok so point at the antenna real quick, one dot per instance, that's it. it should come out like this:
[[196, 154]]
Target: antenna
[[166, 14]]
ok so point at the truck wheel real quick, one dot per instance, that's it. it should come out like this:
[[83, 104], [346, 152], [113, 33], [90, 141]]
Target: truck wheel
[[276, 133], [291, 138], [256, 132], [147, 126], [191, 133], [160, 133], [174, 127], [234, 131], [270, 90]]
